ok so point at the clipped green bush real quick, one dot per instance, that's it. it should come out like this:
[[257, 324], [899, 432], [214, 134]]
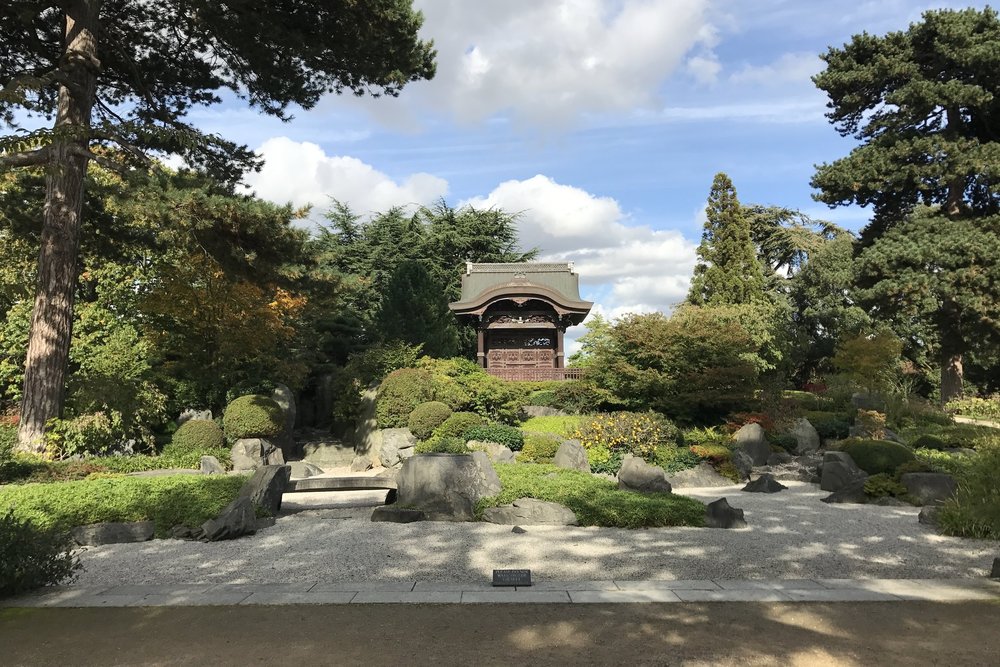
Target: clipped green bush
[[400, 392], [501, 434], [564, 425], [974, 510], [884, 485], [457, 424], [784, 442], [829, 425], [877, 456], [168, 501], [31, 557], [543, 397], [446, 445], [539, 447], [581, 397], [595, 501], [426, 417], [196, 435], [253, 416], [928, 441], [674, 459]]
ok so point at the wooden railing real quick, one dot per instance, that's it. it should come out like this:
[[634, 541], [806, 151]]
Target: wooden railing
[[536, 374]]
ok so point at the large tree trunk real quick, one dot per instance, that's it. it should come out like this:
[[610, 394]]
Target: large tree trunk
[[952, 374], [52, 318]]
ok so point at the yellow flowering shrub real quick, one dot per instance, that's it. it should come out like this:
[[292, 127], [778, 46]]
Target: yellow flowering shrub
[[636, 433]]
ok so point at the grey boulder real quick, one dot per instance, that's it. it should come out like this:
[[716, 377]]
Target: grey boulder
[[397, 445], [252, 453], [360, 464], [237, 519], [210, 465], [750, 438], [637, 475], [766, 483], [266, 486], [851, 492], [839, 470], [929, 516], [806, 437], [394, 514], [720, 514], [96, 534], [496, 452], [743, 463], [304, 469], [929, 488], [446, 486], [702, 475], [531, 512], [572, 456]]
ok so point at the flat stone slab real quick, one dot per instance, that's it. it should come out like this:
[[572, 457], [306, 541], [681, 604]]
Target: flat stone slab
[[358, 483], [556, 592]]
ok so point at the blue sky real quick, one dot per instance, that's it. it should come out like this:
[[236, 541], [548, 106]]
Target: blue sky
[[602, 121]]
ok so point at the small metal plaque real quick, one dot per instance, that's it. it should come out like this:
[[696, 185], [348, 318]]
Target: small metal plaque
[[511, 577]]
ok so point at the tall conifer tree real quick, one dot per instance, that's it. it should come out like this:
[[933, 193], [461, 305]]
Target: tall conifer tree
[[727, 272]]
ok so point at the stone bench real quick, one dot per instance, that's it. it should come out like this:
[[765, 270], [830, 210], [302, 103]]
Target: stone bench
[[315, 484]]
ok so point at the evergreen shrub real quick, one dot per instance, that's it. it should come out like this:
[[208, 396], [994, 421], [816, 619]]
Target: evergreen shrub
[[400, 392], [253, 416], [446, 445], [974, 510], [928, 441], [636, 433], [829, 425], [457, 424], [539, 448], [426, 417], [884, 485], [196, 435], [877, 456], [31, 557], [502, 434]]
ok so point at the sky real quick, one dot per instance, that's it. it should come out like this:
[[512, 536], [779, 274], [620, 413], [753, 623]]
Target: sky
[[602, 122]]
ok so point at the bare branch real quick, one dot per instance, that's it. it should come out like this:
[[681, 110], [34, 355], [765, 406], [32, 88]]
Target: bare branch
[[110, 165], [25, 159]]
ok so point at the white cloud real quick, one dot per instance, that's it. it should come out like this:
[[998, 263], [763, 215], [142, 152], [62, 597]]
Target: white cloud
[[704, 68], [551, 62], [302, 173], [789, 68], [640, 268]]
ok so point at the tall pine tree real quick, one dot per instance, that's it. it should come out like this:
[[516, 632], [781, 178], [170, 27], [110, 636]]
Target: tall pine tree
[[415, 310], [727, 272]]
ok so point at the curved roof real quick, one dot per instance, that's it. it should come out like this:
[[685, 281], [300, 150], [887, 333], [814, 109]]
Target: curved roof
[[486, 284]]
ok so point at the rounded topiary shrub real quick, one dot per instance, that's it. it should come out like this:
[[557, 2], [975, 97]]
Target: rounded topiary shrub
[[253, 416], [442, 446], [426, 417], [197, 435], [877, 456], [400, 392], [457, 424], [928, 441], [501, 434], [539, 448]]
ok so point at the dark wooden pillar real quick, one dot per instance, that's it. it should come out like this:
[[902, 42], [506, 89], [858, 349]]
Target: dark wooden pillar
[[481, 346], [559, 348]]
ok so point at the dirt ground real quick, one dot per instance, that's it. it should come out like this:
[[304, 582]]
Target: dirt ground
[[873, 633]]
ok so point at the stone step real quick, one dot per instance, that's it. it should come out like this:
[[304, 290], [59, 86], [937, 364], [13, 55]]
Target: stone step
[[359, 483]]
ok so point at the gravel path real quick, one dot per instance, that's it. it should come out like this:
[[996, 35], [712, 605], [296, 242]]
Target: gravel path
[[329, 538]]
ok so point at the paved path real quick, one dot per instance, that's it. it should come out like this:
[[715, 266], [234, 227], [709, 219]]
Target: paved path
[[543, 592], [780, 634]]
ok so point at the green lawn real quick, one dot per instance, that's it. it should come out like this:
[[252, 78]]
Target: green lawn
[[596, 501], [564, 425]]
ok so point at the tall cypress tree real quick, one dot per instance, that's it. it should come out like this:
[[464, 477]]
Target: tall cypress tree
[[415, 310], [727, 271]]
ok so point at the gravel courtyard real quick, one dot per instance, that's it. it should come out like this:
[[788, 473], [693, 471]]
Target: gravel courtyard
[[328, 537]]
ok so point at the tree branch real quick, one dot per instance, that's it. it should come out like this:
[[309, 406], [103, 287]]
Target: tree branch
[[110, 165], [25, 159]]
